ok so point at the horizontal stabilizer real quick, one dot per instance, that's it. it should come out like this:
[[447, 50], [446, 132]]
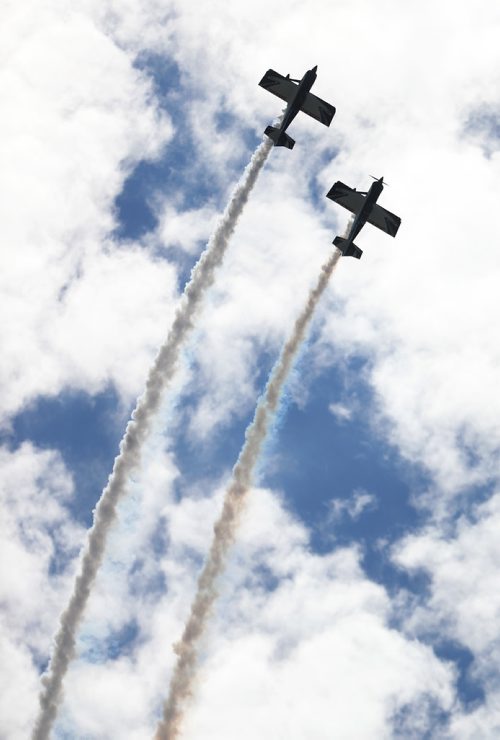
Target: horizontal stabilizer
[[348, 249], [279, 137]]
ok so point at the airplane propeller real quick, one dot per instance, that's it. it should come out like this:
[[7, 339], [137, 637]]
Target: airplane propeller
[[380, 178]]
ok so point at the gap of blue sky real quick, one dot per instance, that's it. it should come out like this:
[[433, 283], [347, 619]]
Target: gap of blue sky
[[85, 429]]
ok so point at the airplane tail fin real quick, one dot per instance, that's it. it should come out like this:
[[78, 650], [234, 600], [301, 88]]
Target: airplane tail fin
[[279, 138], [348, 249]]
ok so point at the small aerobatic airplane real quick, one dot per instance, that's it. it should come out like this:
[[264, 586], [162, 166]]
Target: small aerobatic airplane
[[297, 96], [365, 208]]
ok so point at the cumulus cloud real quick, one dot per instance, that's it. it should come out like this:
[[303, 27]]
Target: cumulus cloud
[[462, 567], [291, 626], [340, 411], [38, 545], [415, 307], [243, 317], [186, 228], [463, 602], [380, 318], [354, 506], [78, 116], [296, 629], [433, 354]]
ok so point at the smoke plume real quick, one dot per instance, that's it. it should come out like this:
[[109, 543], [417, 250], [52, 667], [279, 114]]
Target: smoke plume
[[181, 685], [136, 432]]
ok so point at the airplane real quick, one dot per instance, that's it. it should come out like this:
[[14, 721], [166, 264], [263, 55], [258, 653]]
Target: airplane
[[297, 96], [365, 208]]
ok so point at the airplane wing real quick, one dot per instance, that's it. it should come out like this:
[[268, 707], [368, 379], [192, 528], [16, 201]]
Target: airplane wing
[[384, 220], [281, 86], [318, 109], [346, 197]]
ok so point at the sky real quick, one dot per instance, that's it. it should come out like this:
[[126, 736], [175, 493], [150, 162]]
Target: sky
[[360, 599]]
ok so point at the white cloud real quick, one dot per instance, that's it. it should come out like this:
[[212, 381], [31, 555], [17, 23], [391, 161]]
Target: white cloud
[[354, 506], [302, 641], [187, 228], [78, 116], [463, 602], [340, 411], [109, 328], [264, 281], [417, 306], [38, 545], [463, 571], [415, 346], [483, 722], [298, 643]]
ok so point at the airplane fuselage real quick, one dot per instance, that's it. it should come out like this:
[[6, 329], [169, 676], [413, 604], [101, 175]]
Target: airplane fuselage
[[361, 218], [295, 104]]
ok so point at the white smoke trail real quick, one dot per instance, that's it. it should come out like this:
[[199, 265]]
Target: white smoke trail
[[181, 685], [136, 432]]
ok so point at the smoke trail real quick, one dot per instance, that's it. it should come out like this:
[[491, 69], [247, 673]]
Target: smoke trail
[[181, 685], [136, 432]]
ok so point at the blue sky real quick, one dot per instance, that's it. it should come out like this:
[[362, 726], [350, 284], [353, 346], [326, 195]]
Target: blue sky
[[369, 542]]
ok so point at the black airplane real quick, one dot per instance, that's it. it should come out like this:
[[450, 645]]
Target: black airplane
[[297, 96], [365, 208]]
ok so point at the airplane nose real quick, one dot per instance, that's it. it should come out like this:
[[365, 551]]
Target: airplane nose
[[315, 69]]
